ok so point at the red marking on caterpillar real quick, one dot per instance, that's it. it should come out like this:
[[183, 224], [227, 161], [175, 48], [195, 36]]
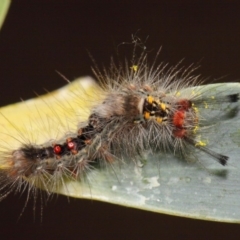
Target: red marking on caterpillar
[[178, 119]]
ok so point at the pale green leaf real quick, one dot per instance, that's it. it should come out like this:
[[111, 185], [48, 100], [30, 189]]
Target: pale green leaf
[[4, 6], [162, 183]]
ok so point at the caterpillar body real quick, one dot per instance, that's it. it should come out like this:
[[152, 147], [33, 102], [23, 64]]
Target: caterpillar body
[[142, 109]]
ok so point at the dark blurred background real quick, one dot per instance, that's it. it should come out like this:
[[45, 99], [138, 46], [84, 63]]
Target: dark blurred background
[[41, 36]]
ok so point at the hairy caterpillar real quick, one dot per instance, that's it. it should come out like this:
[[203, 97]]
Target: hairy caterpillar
[[141, 109]]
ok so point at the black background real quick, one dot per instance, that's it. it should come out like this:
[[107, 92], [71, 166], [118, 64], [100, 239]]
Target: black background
[[39, 37]]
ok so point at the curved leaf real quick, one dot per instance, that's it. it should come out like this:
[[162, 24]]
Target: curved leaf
[[161, 183], [4, 6]]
